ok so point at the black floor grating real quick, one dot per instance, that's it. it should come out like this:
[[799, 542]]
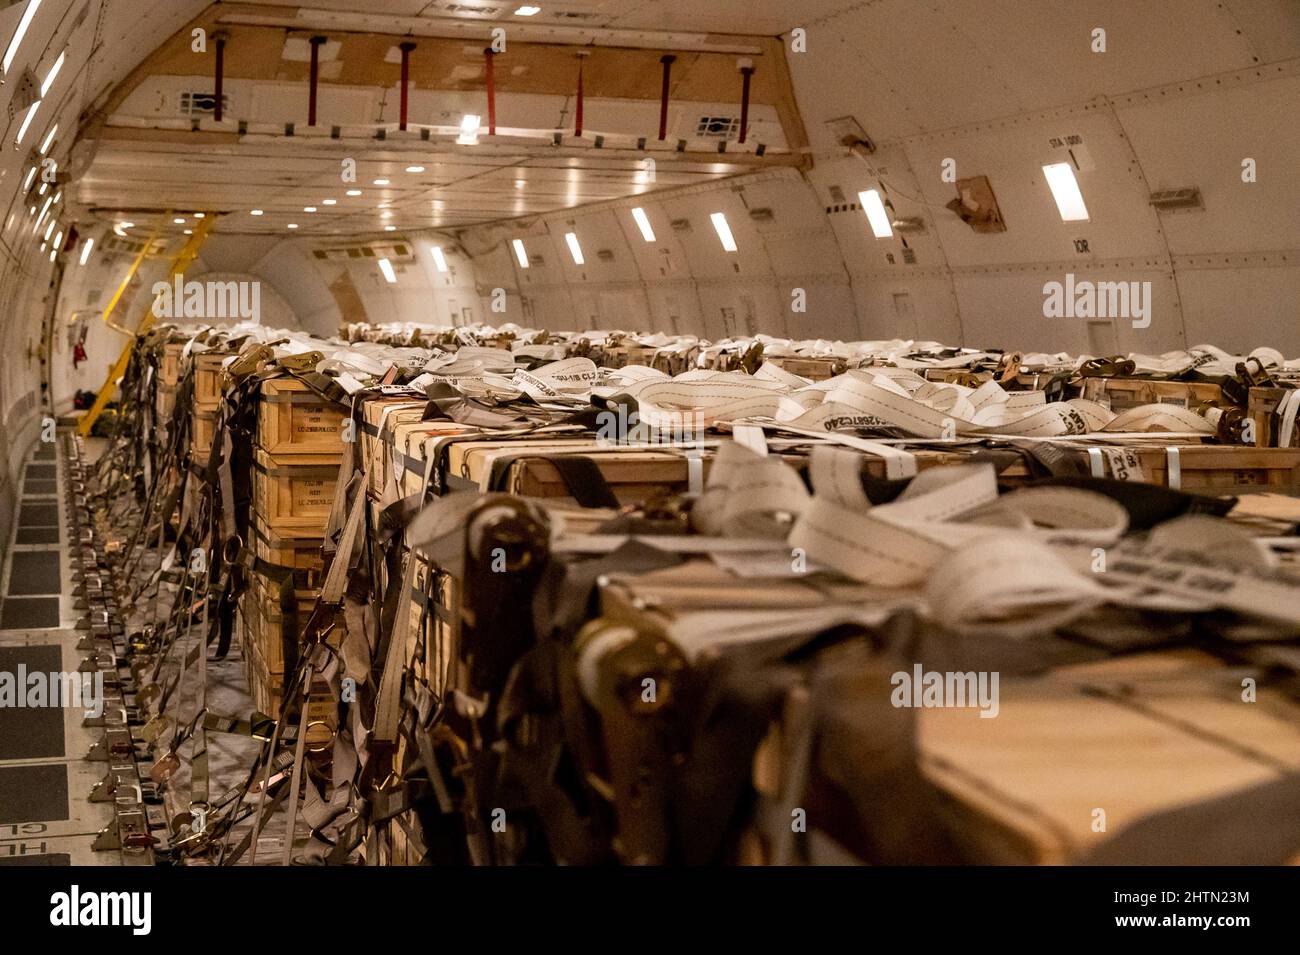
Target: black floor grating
[[37, 486], [29, 613], [31, 732], [34, 572], [33, 793], [38, 515], [42, 472], [37, 535]]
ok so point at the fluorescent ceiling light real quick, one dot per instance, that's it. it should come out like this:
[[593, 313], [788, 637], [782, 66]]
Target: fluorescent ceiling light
[[27, 183], [189, 231], [528, 10], [354, 192], [85, 250], [1065, 190], [415, 169], [27, 122], [874, 207], [381, 182], [292, 225], [724, 231], [575, 249], [49, 138], [329, 202], [53, 254], [390, 228], [387, 268], [521, 254], [255, 212], [58, 195], [51, 76], [200, 215], [643, 223], [45, 187], [179, 221], [50, 228], [23, 24], [308, 208], [58, 240], [439, 259]]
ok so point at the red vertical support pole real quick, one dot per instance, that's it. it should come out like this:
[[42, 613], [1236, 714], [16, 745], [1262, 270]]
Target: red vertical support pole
[[577, 112], [747, 72], [314, 78], [406, 49], [220, 78], [490, 76], [667, 60]]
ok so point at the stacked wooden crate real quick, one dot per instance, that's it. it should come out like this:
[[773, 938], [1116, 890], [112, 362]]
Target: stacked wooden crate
[[169, 376], [207, 399], [295, 469]]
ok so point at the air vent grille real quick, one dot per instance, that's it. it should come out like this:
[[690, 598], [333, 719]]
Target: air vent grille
[[395, 252], [201, 104], [718, 127]]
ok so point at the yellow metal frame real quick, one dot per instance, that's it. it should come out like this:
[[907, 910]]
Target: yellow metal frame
[[188, 253]]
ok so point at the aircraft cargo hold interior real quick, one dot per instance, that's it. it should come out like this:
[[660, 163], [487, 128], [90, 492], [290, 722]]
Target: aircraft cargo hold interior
[[609, 433]]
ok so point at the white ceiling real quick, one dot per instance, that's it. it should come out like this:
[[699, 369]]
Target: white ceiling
[[754, 17]]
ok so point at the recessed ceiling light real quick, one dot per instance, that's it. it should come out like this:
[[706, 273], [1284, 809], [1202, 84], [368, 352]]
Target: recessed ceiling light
[[877, 215], [329, 202], [721, 227], [200, 215], [27, 183], [519, 184], [528, 10], [439, 259], [21, 32], [387, 268], [1065, 190], [521, 254], [386, 214], [49, 138], [189, 231], [255, 212], [643, 223], [85, 250], [381, 182], [308, 208], [45, 187], [354, 192], [179, 221], [575, 250], [415, 169], [128, 225], [390, 228], [293, 225]]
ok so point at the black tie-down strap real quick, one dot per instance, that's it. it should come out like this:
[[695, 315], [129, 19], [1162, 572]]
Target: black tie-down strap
[[581, 475]]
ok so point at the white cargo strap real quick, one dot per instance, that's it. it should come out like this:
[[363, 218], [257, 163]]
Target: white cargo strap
[[1174, 467], [1096, 463], [1286, 410], [336, 578]]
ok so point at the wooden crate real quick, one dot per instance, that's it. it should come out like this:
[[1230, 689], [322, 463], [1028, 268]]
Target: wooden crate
[[267, 691], [405, 457], [164, 403], [1120, 394], [1261, 407], [293, 419], [433, 606], [297, 550], [207, 376], [203, 429], [169, 364], [814, 369], [378, 415], [293, 492], [1026, 787], [267, 624], [633, 474]]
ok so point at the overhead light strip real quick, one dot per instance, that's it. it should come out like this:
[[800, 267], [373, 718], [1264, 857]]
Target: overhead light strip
[[20, 33]]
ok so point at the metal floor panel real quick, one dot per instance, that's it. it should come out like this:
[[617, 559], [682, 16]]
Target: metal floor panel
[[30, 732], [29, 613], [36, 792], [34, 572]]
